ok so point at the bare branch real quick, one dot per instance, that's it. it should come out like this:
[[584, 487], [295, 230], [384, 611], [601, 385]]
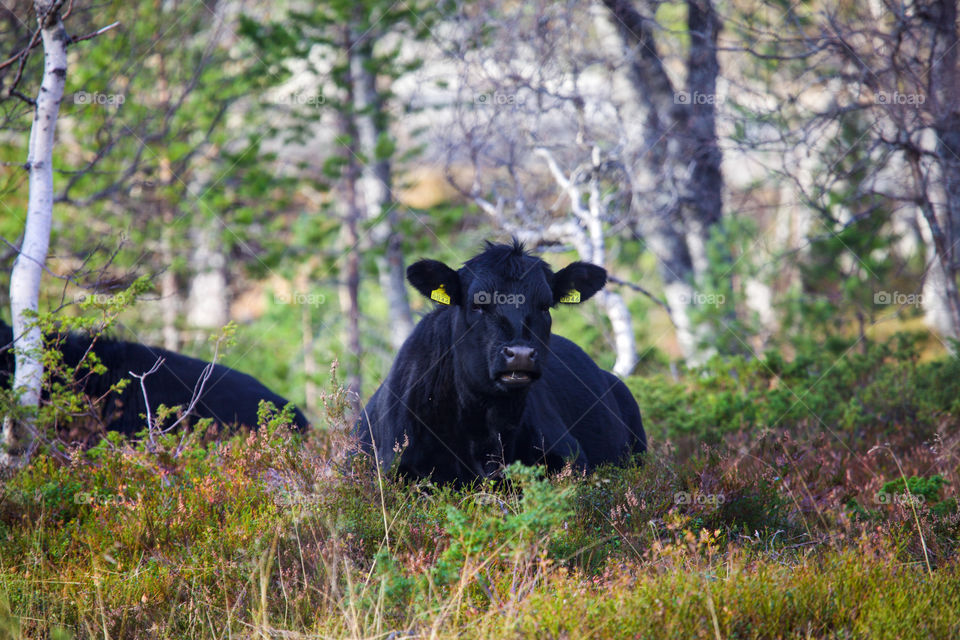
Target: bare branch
[[96, 33], [146, 399], [639, 289]]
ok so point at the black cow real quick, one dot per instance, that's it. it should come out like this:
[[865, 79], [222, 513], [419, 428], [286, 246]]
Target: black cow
[[229, 397], [481, 383]]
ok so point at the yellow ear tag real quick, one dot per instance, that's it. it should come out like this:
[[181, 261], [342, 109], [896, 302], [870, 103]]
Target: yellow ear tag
[[440, 295], [572, 297]]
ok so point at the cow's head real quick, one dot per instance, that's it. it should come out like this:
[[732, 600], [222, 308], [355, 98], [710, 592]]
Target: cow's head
[[502, 300]]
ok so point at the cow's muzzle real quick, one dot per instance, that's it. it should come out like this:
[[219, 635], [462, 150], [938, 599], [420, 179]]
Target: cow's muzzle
[[520, 366]]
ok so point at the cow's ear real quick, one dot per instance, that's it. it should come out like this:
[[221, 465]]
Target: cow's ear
[[435, 280], [577, 282]]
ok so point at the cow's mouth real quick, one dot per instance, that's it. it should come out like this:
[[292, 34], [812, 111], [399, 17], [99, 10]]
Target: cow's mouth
[[517, 378]]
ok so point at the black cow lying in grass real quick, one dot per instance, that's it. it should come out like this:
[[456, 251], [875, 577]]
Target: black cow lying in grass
[[481, 383], [229, 397]]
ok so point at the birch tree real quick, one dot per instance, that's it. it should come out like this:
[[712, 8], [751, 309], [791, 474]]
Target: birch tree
[[589, 236], [29, 264]]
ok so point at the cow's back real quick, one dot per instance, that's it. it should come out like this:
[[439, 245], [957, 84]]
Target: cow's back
[[576, 399], [630, 413], [229, 397]]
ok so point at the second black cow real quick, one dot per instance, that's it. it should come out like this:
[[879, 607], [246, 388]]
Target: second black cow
[[230, 398], [481, 382]]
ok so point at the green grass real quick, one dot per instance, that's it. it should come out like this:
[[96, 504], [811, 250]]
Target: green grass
[[793, 531]]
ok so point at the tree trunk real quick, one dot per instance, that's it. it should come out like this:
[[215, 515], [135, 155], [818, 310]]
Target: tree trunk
[[701, 198], [28, 266], [350, 291], [588, 237], [677, 158], [369, 120], [613, 304], [169, 301], [207, 305], [393, 283], [620, 321], [309, 361], [350, 287], [945, 228], [758, 300], [937, 313], [375, 186], [940, 282], [169, 294]]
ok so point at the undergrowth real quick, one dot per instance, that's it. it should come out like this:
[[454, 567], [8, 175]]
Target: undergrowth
[[774, 528]]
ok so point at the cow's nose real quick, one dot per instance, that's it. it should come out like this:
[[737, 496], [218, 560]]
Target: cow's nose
[[520, 358]]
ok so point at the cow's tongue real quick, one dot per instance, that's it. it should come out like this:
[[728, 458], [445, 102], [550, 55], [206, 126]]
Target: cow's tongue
[[517, 376]]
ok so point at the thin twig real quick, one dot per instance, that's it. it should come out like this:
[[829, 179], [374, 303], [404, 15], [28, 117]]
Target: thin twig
[[638, 288], [24, 53], [198, 391], [96, 33], [146, 399], [20, 54]]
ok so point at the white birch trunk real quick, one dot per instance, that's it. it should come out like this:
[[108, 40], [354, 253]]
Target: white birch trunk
[[678, 296], [613, 304], [207, 305], [620, 320], [592, 248], [169, 296], [28, 267], [934, 300]]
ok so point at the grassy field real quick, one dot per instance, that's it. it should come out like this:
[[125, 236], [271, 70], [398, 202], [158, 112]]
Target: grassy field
[[779, 500]]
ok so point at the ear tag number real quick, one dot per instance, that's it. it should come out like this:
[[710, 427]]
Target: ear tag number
[[572, 297], [440, 295]]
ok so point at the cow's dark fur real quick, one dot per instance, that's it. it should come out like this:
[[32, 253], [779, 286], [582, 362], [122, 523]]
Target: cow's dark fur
[[446, 403], [229, 397]]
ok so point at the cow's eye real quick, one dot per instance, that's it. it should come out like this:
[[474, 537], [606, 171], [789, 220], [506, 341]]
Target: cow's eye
[[476, 308], [545, 308]]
